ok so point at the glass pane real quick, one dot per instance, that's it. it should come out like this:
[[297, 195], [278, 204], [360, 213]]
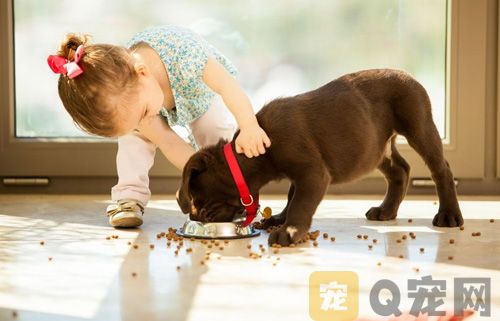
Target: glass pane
[[281, 47]]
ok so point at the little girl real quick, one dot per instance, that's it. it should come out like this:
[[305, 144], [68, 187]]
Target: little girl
[[168, 76]]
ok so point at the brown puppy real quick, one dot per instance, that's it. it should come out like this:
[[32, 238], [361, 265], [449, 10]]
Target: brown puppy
[[330, 135]]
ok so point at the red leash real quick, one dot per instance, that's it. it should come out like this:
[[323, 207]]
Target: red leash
[[251, 203]]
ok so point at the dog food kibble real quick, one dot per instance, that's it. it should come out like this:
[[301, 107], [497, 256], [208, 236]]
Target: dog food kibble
[[360, 236], [422, 250], [178, 268], [136, 246], [462, 228], [452, 241], [108, 238], [267, 213], [14, 314], [134, 274], [476, 233], [158, 236], [374, 241], [401, 256], [370, 247], [410, 220], [275, 251], [151, 246], [176, 252], [129, 243], [189, 250], [416, 270], [379, 264], [398, 241], [492, 220], [249, 246], [365, 237], [315, 243], [42, 242], [404, 237], [314, 235], [226, 242], [168, 243], [332, 239], [221, 248], [325, 235], [450, 257], [50, 259]]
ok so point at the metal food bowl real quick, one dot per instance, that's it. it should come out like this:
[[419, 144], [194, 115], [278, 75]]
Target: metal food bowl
[[224, 230]]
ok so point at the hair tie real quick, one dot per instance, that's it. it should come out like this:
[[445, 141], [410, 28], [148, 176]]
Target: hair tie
[[61, 65]]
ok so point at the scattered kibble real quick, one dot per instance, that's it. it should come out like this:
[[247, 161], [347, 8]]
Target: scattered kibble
[[134, 274], [410, 220], [42, 242], [176, 252], [365, 237], [189, 250], [452, 241], [136, 246], [416, 269], [151, 246], [401, 256], [370, 247], [462, 228], [374, 241], [249, 246], [360, 236], [50, 259], [379, 263], [404, 237], [332, 239], [492, 220], [422, 250], [325, 235], [14, 314], [450, 257], [398, 241], [108, 238], [129, 243], [315, 243], [178, 267]]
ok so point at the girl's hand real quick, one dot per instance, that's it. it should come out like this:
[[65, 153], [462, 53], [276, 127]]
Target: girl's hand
[[252, 141]]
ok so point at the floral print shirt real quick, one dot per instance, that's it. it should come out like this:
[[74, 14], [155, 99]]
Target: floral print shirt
[[185, 55]]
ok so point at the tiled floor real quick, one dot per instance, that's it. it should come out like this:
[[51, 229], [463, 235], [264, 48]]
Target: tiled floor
[[79, 275]]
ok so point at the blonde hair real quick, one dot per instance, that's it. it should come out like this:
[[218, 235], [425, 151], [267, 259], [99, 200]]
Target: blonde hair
[[107, 70]]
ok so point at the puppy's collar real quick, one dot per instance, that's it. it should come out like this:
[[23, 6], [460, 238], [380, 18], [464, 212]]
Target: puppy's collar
[[251, 203]]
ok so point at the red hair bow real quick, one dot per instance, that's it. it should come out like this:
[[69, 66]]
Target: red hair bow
[[61, 65]]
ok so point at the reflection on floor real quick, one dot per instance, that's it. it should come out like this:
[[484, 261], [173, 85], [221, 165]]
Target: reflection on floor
[[56, 262]]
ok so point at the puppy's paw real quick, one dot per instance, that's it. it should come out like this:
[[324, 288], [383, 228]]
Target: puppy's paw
[[286, 235], [380, 214], [274, 220], [447, 218]]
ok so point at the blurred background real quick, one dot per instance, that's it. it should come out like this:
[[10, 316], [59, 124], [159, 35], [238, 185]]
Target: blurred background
[[280, 47]]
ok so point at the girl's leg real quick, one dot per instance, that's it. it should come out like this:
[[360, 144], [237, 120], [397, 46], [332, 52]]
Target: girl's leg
[[134, 159], [214, 124]]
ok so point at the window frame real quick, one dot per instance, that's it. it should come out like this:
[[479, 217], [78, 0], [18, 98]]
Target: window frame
[[466, 81]]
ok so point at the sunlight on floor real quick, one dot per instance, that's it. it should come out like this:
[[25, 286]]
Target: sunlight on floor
[[69, 274]]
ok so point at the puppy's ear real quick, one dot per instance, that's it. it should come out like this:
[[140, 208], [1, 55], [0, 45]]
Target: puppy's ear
[[197, 164]]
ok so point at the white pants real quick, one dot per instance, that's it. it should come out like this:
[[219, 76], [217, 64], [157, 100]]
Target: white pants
[[136, 153]]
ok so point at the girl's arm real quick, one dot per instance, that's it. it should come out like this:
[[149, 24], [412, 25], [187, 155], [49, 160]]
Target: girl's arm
[[175, 149], [252, 139]]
